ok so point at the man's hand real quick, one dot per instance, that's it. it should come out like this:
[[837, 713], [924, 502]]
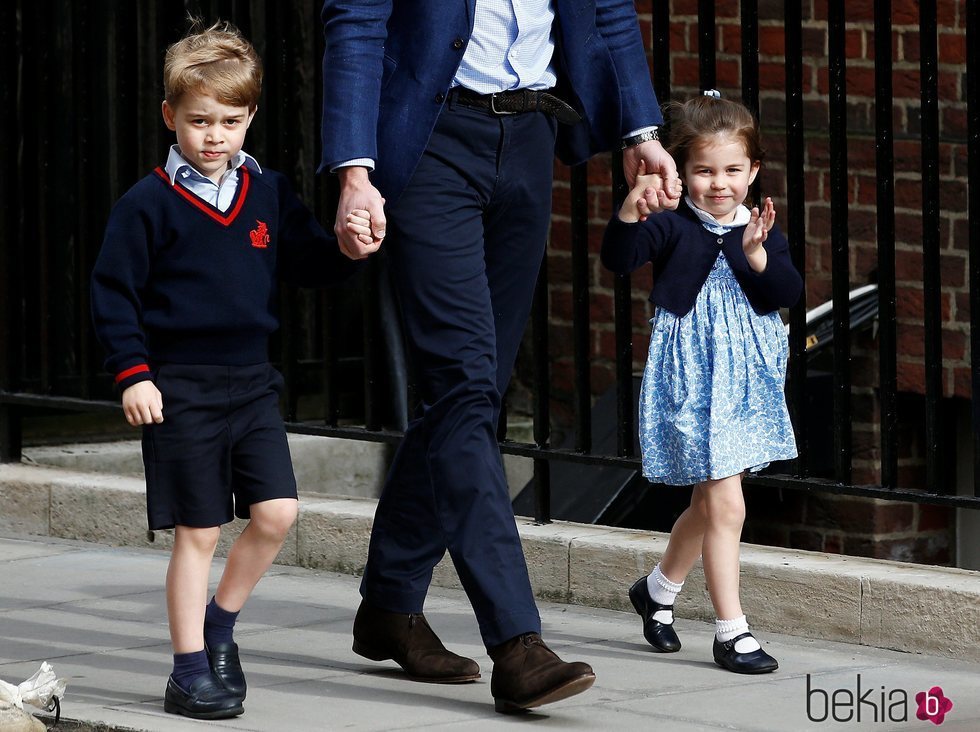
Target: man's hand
[[142, 404], [357, 194], [657, 161]]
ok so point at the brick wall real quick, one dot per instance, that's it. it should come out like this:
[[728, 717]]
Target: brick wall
[[853, 526]]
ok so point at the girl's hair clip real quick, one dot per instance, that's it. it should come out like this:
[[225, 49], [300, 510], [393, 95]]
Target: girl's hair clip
[[712, 93]]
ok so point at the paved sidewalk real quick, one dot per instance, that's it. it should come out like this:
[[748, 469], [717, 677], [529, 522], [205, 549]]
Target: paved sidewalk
[[97, 615]]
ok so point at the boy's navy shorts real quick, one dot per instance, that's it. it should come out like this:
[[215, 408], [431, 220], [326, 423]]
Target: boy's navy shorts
[[220, 448]]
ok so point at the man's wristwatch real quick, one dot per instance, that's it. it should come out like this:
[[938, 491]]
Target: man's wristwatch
[[635, 140]]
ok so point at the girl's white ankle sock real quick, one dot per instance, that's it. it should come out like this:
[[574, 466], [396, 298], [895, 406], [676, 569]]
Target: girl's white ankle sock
[[725, 630], [663, 592]]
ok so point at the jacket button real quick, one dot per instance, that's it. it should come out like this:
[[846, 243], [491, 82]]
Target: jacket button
[[440, 98], [458, 43], [720, 240]]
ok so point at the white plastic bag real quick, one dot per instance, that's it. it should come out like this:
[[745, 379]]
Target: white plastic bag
[[36, 691]]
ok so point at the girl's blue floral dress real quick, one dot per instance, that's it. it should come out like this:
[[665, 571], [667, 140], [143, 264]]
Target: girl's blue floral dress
[[711, 401]]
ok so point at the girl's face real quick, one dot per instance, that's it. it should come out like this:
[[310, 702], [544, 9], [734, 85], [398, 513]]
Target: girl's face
[[717, 175]]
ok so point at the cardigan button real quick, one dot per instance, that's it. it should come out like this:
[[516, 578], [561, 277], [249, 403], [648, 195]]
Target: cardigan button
[[720, 240], [458, 43]]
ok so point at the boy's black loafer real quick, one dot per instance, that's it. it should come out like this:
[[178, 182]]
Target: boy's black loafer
[[661, 636], [225, 664], [756, 662], [205, 699]]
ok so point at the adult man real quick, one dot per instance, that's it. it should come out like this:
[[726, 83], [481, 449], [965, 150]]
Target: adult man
[[457, 103]]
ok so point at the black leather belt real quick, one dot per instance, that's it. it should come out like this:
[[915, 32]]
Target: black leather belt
[[517, 101]]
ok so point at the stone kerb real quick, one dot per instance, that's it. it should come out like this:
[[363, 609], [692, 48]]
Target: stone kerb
[[941, 615], [334, 534]]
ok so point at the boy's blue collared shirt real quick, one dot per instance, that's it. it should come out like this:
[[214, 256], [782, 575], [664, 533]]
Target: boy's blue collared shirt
[[218, 195]]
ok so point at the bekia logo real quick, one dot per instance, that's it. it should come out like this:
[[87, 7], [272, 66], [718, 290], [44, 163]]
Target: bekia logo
[[933, 705], [873, 704]]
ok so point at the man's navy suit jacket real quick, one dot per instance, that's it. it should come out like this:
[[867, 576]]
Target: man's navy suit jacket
[[389, 64]]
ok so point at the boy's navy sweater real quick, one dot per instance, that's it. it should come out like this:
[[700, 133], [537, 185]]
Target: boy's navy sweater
[[177, 280], [683, 251]]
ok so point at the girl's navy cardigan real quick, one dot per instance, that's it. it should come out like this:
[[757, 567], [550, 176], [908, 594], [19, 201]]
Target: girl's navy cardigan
[[682, 252]]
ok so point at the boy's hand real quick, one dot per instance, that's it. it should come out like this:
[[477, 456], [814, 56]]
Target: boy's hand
[[756, 232], [142, 404], [357, 194], [649, 196], [359, 224]]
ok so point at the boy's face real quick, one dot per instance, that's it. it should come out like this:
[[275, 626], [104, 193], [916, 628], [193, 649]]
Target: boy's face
[[209, 133]]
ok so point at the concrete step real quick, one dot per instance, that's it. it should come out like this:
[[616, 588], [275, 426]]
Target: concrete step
[[890, 605], [323, 465]]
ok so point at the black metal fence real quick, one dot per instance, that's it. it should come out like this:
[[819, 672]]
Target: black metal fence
[[81, 91]]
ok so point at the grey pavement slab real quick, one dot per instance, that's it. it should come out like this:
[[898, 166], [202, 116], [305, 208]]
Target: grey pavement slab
[[97, 614]]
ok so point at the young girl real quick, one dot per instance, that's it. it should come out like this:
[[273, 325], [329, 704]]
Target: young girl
[[711, 402]]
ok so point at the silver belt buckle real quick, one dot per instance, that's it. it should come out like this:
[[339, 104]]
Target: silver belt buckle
[[493, 106]]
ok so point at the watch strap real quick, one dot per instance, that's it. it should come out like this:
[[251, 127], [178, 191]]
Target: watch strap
[[634, 140]]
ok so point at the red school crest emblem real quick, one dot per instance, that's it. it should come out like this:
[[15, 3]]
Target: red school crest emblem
[[260, 235]]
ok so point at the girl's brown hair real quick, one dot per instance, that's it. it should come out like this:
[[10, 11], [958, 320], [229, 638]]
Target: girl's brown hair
[[217, 60], [696, 121]]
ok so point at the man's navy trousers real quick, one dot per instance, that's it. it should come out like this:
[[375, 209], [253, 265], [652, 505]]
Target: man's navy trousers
[[465, 242]]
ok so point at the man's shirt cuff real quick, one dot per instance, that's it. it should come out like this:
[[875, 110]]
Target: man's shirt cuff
[[356, 162]]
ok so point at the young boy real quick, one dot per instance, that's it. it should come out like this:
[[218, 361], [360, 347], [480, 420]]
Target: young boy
[[184, 299]]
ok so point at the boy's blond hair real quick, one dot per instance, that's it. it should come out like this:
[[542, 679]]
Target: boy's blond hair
[[217, 60]]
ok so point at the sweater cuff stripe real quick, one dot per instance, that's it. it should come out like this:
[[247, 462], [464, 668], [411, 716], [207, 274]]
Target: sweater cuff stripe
[[131, 371]]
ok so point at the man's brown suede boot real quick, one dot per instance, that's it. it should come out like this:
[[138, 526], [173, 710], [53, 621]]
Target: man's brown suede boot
[[408, 640], [526, 673]]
